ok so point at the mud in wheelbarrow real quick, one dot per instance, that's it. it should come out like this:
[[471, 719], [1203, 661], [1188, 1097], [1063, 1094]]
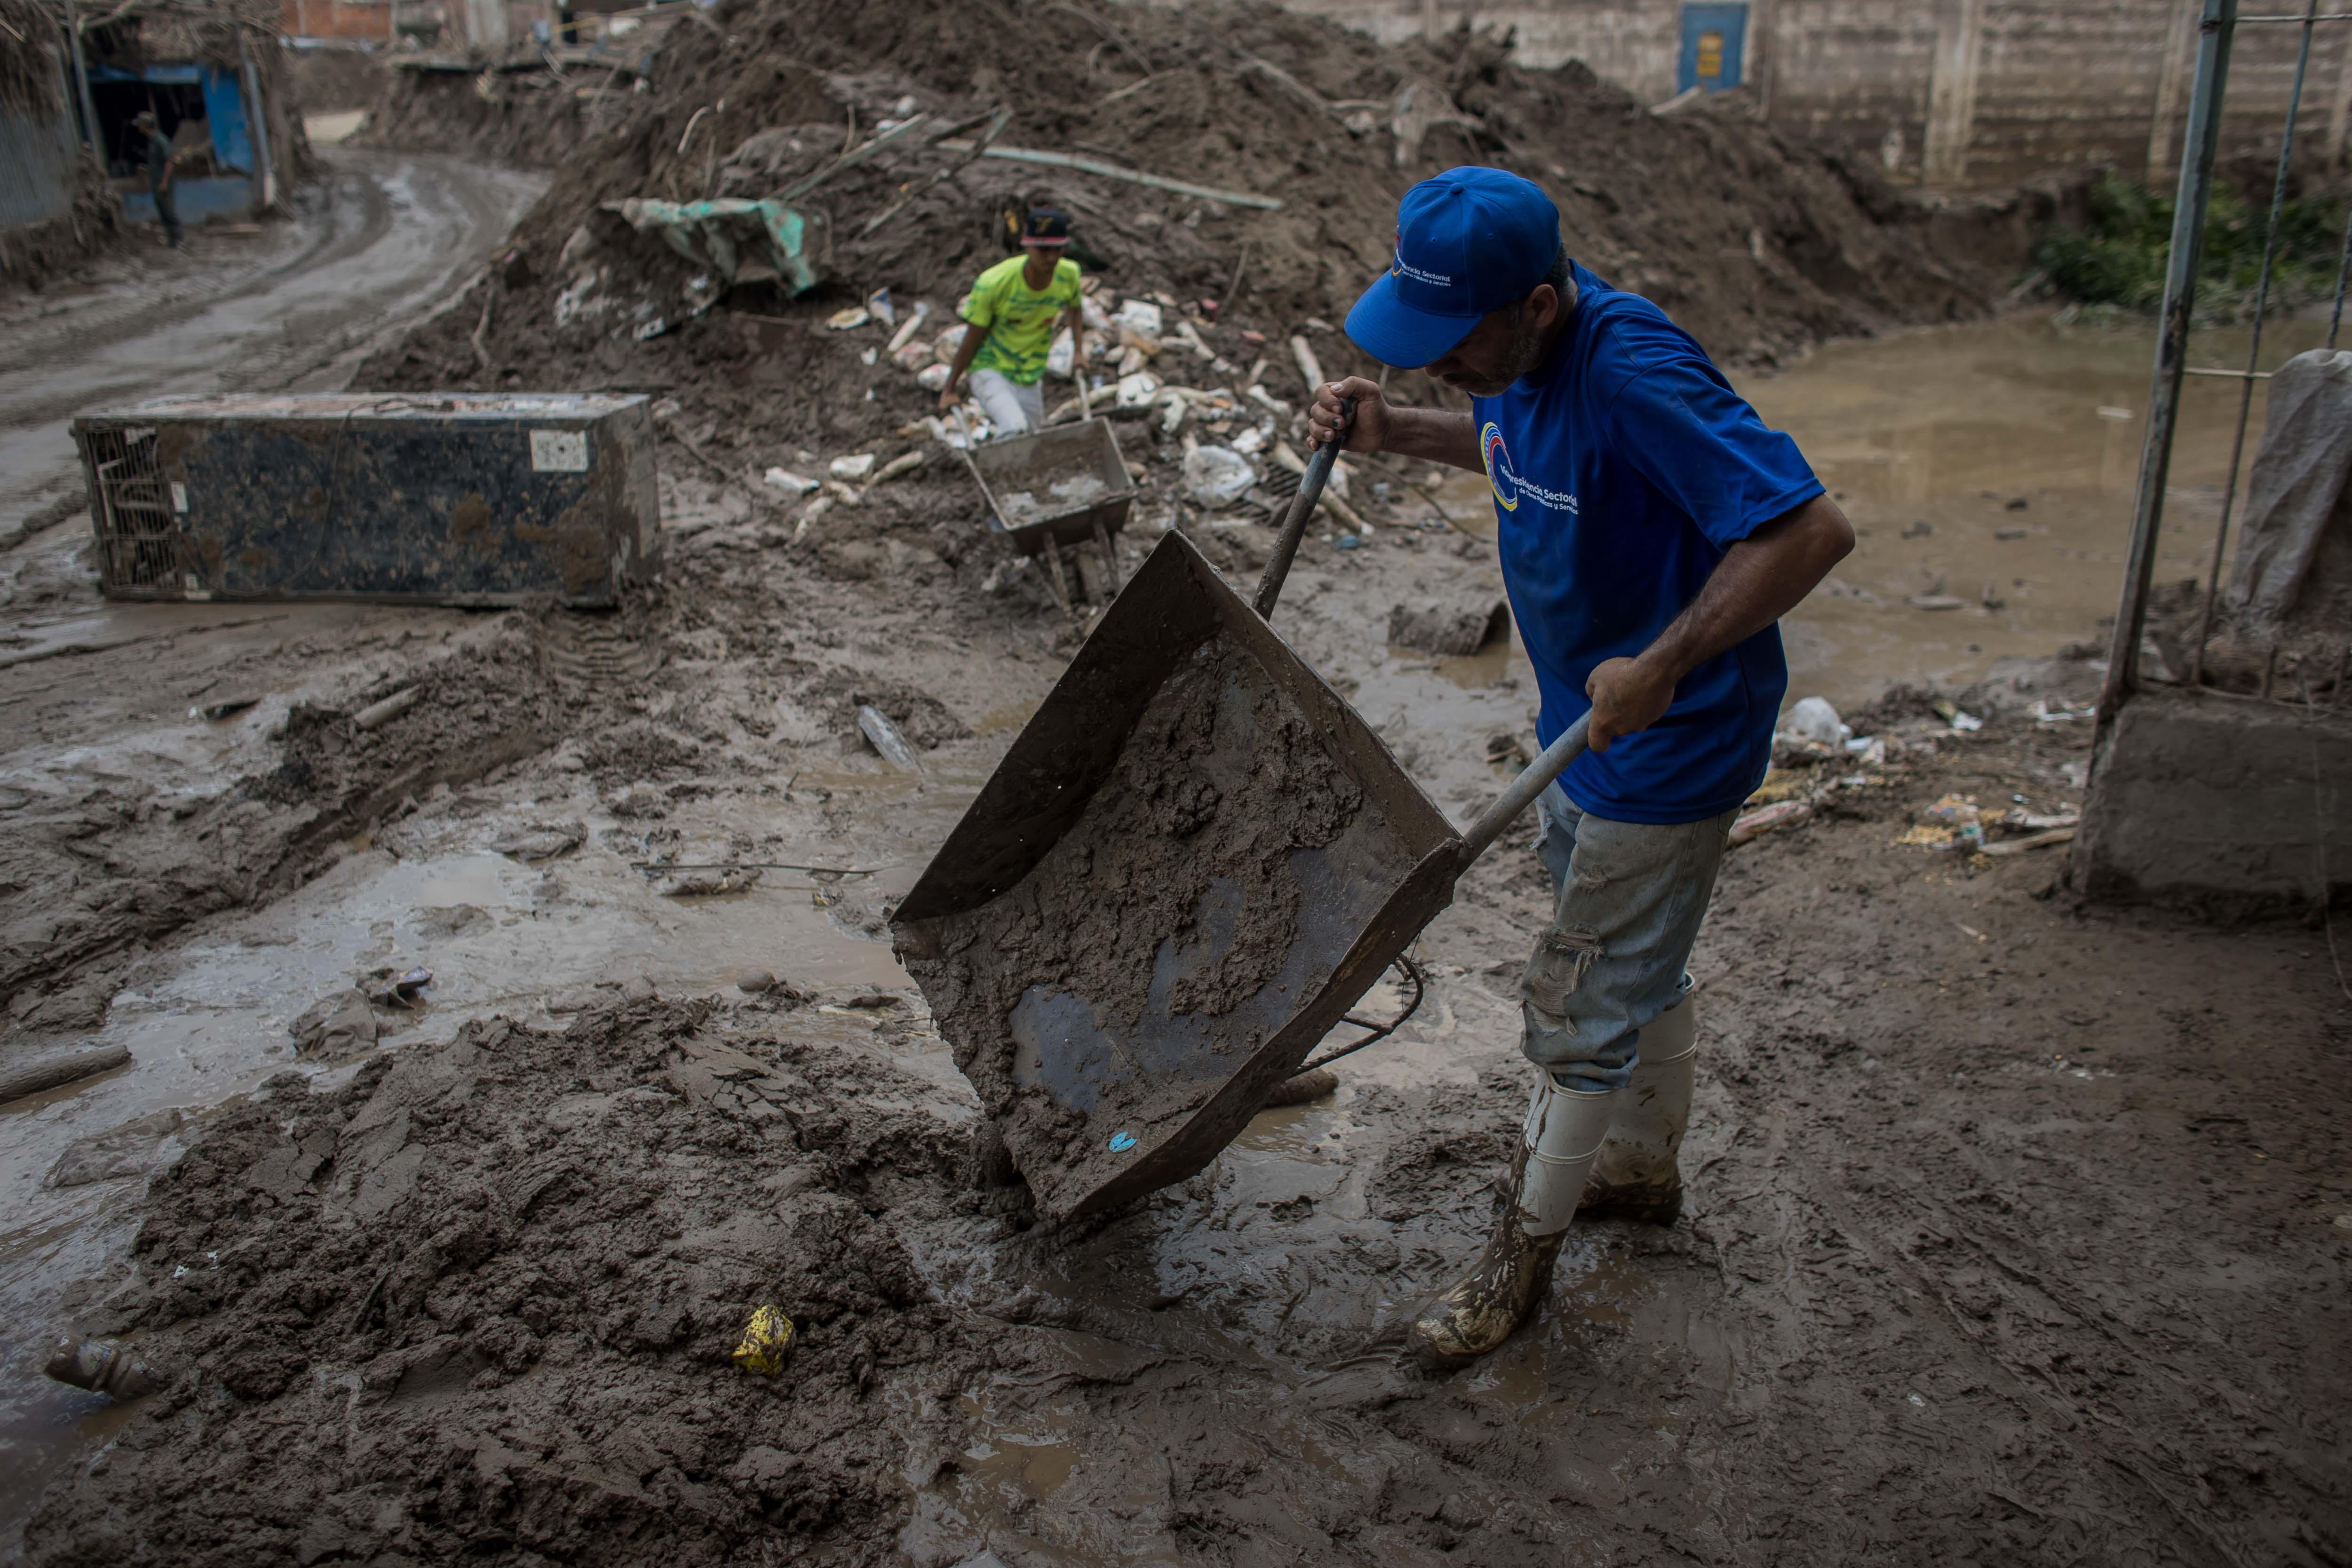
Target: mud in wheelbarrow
[[1192, 862]]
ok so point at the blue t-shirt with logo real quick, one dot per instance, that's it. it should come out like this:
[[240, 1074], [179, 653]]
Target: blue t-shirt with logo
[[1622, 468]]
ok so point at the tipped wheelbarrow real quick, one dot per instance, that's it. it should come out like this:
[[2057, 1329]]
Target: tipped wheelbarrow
[[1113, 1073]]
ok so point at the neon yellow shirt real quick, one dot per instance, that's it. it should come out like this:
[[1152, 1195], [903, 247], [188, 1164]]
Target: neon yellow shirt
[[1019, 319]]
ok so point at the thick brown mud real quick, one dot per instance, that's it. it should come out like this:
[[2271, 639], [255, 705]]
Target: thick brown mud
[[490, 1294], [1173, 893], [1982, 1257], [2016, 1229]]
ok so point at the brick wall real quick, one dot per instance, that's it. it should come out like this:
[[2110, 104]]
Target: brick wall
[[367, 21]]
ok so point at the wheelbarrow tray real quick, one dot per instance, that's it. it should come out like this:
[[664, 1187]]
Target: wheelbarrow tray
[[1102, 1100], [1034, 463]]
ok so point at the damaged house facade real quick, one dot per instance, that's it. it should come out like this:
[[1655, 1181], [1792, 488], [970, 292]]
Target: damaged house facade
[[209, 73], [72, 166]]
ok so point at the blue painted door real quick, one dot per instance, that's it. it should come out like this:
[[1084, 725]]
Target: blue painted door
[[1715, 42], [225, 113]]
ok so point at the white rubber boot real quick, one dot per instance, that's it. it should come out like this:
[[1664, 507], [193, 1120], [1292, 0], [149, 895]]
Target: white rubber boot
[[1639, 1175], [1563, 1134]]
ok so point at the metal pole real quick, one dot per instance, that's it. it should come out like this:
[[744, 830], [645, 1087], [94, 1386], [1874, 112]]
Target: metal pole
[[257, 129], [2253, 349], [95, 138], [2215, 29]]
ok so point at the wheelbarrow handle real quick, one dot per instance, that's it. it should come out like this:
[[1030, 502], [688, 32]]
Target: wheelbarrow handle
[[1302, 507], [1532, 781]]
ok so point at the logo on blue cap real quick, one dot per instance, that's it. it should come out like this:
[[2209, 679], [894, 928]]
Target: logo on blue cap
[[1469, 241]]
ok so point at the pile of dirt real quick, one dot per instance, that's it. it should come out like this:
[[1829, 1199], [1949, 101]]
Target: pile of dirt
[[528, 119], [1763, 248], [483, 1303], [33, 255], [327, 78]]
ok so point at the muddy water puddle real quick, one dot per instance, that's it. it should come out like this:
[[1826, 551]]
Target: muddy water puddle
[[207, 1018], [1931, 440]]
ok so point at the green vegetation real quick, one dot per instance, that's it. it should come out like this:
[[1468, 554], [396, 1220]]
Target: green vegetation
[[2119, 261]]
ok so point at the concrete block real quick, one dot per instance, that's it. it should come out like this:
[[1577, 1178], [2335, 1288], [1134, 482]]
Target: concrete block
[[2227, 801]]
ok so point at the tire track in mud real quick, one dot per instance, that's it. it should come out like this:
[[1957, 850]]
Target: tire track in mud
[[2060, 1419]]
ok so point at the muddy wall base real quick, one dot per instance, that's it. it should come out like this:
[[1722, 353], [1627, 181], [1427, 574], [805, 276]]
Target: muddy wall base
[[2227, 803]]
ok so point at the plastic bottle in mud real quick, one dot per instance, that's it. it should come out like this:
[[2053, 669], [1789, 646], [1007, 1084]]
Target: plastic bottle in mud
[[103, 1366]]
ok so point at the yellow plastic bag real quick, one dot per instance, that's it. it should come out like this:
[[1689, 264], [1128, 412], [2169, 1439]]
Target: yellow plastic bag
[[764, 1339]]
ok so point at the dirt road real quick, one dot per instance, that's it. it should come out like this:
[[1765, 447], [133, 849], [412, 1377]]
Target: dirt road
[[381, 241], [373, 247]]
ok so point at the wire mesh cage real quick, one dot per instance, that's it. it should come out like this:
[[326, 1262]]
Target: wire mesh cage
[[2272, 621]]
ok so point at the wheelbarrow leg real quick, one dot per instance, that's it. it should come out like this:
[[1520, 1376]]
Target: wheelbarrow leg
[[1110, 557], [1061, 582]]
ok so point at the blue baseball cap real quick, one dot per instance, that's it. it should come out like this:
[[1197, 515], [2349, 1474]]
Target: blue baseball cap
[[1469, 241]]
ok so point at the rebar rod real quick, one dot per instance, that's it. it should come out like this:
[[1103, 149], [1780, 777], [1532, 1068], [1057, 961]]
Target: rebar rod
[[2254, 348], [2215, 30]]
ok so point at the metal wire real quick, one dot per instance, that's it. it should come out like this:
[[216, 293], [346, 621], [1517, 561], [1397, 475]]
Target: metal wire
[[2343, 267], [1379, 1031], [2254, 344]]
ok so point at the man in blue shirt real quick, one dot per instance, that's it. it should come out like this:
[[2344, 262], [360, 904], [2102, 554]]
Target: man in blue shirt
[[1653, 531]]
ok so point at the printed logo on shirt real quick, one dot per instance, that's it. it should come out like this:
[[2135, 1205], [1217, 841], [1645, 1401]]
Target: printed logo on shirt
[[1507, 486]]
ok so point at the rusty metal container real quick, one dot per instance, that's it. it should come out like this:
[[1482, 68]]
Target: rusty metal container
[[444, 499]]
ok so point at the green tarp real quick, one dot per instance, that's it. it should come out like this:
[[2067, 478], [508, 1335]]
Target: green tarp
[[730, 234]]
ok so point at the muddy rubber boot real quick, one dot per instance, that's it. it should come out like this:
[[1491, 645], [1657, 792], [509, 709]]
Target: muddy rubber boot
[[1638, 1175], [1563, 1134]]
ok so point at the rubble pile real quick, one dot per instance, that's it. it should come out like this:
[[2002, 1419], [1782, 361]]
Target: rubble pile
[[891, 130], [524, 1265]]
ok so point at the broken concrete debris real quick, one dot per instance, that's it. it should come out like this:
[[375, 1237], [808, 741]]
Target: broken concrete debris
[[876, 726], [335, 1024], [102, 1366], [21, 1078], [1450, 629]]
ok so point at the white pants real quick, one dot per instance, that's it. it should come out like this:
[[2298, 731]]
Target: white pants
[[1013, 409]]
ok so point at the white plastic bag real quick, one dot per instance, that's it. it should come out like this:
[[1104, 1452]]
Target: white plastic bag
[[1814, 719], [1217, 476]]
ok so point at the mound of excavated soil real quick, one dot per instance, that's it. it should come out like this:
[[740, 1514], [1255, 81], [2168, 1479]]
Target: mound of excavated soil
[[1757, 246], [321, 80], [483, 1304]]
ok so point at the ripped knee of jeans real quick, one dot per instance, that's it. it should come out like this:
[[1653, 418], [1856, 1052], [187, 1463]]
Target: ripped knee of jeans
[[1562, 959]]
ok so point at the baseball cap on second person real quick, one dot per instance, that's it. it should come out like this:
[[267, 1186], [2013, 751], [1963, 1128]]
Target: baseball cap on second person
[[1045, 226], [1468, 241]]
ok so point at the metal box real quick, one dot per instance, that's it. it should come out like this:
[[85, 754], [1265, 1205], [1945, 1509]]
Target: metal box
[[456, 498], [1033, 465]]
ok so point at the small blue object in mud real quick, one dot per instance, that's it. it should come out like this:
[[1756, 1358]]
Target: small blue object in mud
[[1120, 1142]]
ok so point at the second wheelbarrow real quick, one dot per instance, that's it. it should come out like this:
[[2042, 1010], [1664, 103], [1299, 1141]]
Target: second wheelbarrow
[[1192, 863], [1052, 489]]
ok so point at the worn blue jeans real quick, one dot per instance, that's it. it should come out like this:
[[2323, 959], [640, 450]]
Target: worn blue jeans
[[1628, 901]]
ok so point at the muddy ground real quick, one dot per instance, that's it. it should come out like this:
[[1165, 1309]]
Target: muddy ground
[[2018, 1228], [2004, 1245]]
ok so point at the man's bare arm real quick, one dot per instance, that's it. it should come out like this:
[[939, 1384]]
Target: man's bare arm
[[1380, 426], [1758, 580]]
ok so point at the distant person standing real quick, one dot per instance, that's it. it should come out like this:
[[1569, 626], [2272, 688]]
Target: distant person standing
[[158, 148], [1013, 308]]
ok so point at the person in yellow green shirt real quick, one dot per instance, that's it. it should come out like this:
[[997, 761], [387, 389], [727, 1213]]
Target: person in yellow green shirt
[[1013, 308]]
